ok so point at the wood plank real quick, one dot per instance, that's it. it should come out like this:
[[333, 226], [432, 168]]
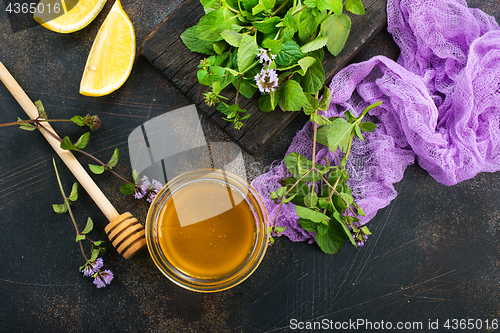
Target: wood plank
[[164, 49]]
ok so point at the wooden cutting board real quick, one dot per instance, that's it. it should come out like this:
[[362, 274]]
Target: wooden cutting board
[[164, 49]]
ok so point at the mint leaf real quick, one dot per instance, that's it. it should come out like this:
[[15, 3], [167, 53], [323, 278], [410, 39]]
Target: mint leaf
[[268, 102], [336, 28], [334, 5], [320, 120], [308, 225], [330, 242], [97, 169], [292, 97], [219, 47], [41, 109], [267, 26], [367, 126], [307, 23], [355, 6], [195, 44], [314, 78], [67, 145], [83, 141], [114, 158], [127, 188], [135, 176], [304, 64], [273, 45], [246, 88], [88, 227], [80, 237], [310, 214], [316, 44], [233, 38], [247, 52], [290, 53], [60, 208], [78, 120], [208, 27], [26, 126], [74, 192], [324, 105]]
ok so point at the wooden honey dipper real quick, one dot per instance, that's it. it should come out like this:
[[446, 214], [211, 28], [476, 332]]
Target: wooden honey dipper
[[125, 232]]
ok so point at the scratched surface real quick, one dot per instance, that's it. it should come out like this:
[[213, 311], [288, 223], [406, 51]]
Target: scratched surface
[[435, 252]]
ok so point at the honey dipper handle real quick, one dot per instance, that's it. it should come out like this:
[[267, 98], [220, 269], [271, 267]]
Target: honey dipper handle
[[71, 162]]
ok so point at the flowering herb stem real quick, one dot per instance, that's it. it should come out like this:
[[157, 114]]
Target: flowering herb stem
[[66, 202]]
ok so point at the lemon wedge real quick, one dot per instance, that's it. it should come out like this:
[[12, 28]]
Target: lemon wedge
[[67, 16], [111, 56]]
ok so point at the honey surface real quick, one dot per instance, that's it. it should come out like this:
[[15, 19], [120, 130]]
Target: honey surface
[[206, 229]]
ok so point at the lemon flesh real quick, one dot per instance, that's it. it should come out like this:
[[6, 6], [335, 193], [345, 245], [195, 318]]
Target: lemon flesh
[[112, 55], [67, 16]]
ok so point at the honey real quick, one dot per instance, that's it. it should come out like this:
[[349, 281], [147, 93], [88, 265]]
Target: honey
[[206, 229]]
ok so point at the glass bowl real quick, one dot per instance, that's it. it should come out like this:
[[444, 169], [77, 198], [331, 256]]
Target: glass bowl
[[207, 230]]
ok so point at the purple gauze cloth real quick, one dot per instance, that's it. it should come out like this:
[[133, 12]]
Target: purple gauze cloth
[[441, 103]]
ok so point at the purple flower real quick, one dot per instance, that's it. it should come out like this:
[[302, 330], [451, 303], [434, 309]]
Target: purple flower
[[142, 187], [91, 267], [267, 80], [103, 278], [265, 57], [153, 190]]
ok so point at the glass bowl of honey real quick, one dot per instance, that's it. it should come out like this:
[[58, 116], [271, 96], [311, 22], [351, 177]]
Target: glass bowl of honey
[[207, 230]]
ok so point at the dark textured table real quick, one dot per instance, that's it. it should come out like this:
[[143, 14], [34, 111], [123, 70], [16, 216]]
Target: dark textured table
[[434, 254]]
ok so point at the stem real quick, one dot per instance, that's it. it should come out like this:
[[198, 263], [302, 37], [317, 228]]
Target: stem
[[284, 196], [37, 121], [238, 90], [280, 7], [69, 208], [298, 10]]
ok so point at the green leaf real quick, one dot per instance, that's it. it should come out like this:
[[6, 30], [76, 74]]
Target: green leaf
[[233, 38], [322, 229], [347, 198], [267, 26], [292, 97], [208, 27], [310, 214], [310, 3], [298, 165], [60, 208], [135, 176], [219, 47], [67, 145], [336, 135], [304, 64], [127, 188], [314, 78], [358, 133], [290, 54], [195, 44], [95, 253], [316, 44], [324, 104], [80, 237], [355, 6], [361, 212], [41, 109], [334, 5], [246, 88], [83, 141], [311, 106], [330, 242], [249, 4], [74, 192], [311, 199], [365, 230], [268, 102], [336, 28], [279, 230], [307, 23], [247, 52], [367, 126], [26, 126], [97, 169], [114, 158], [88, 227], [308, 225], [273, 45], [78, 120], [320, 120]]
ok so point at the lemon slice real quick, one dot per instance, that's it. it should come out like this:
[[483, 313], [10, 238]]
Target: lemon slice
[[112, 55], [67, 16]]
